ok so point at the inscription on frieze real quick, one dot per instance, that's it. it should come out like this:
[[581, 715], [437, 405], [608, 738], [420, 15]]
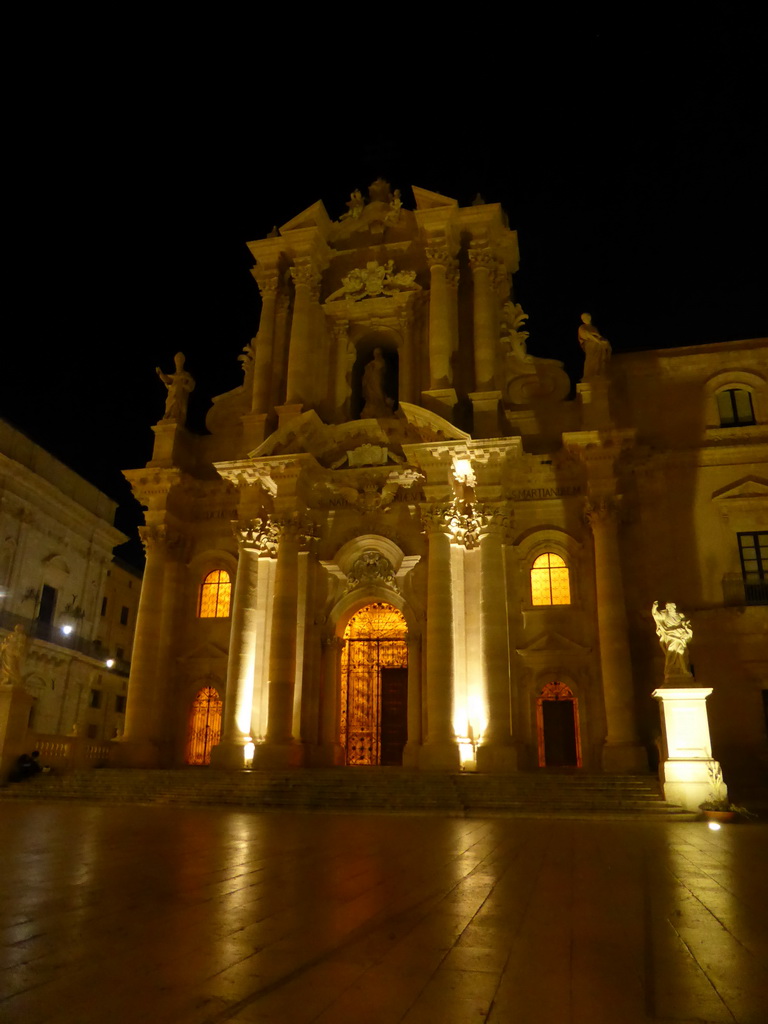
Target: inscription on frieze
[[539, 493]]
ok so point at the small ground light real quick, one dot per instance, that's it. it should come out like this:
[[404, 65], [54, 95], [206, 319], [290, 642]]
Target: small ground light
[[110, 662], [66, 630], [715, 826]]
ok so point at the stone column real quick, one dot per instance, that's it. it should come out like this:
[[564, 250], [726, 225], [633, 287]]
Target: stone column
[[263, 356], [301, 363], [442, 319], [495, 752], [280, 748], [138, 745], [413, 746], [622, 751], [440, 749], [486, 326], [331, 751], [253, 539]]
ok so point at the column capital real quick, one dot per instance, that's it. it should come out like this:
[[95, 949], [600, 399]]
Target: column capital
[[162, 538], [295, 526], [603, 511], [267, 278], [305, 272], [439, 254], [481, 256], [466, 524], [261, 535]]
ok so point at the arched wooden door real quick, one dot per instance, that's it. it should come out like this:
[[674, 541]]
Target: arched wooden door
[[204, 729], [374, 686], [557, 718]]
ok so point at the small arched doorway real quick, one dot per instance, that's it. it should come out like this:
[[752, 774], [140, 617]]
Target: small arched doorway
[[557, 719], [204, 729], [374, 686]]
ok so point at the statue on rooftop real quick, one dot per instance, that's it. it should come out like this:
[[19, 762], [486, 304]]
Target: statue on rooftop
[[675, 633], [179, 384], [354, 205], [13, 650], [596, 348]]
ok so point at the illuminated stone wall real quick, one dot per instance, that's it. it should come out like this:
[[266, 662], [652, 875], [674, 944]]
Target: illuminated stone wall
[[396, 439]]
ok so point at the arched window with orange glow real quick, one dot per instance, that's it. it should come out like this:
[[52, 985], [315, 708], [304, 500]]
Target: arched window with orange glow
[[215, 593], [550, 581]]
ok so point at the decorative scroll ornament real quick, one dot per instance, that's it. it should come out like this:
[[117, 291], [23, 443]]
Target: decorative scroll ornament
[[375, 279], [371, 568], [262, 535]]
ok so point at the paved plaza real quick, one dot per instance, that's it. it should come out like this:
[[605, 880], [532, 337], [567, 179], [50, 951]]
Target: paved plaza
[[192, 915]]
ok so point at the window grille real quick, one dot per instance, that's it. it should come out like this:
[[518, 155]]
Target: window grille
[[375, 640], [550, 580], [215, 594]]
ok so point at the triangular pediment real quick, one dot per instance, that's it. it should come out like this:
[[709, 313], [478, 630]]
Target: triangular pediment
[[204, 651], [748, 487], [550, 642], [314, 216], [426, 200]]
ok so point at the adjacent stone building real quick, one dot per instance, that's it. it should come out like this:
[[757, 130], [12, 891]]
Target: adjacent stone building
[[406, 541], [61, 589]]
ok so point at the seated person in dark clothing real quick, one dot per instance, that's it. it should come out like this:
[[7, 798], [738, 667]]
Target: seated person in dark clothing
[[27, 765]]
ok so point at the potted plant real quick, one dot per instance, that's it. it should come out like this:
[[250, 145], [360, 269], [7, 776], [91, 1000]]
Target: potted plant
[[718, 807]]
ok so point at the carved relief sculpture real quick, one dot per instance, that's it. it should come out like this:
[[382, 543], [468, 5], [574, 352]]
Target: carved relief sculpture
[[375, 279]]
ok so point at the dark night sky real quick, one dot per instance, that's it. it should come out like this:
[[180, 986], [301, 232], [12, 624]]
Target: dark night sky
[[632, 164]]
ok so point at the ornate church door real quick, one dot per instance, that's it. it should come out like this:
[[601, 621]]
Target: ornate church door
[[558, 727], [374, 686], [204, 726]]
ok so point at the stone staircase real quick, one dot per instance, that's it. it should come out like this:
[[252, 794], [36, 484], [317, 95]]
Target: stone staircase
[[374, 790]]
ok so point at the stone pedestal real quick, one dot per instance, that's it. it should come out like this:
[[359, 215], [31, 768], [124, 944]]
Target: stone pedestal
[[485, 413], [254, 429], [288, 412], [278, 755], [687, 768], [15, 703], [441, 401]]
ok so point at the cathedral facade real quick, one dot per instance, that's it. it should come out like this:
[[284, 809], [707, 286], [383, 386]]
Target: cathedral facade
[[405, 542]]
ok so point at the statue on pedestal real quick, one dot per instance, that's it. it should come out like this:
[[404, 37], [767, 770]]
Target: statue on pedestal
[[596, 348], [675, 633], [179, 384], [13, 650]]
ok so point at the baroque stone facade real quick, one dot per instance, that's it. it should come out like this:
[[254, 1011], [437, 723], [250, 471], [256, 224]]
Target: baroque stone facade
[[398, 448], [61, 589]]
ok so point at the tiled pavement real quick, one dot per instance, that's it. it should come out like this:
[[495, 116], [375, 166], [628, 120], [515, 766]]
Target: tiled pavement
[[191, 915]]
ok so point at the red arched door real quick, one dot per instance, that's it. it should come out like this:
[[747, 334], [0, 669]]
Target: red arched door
[[557, 718]]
